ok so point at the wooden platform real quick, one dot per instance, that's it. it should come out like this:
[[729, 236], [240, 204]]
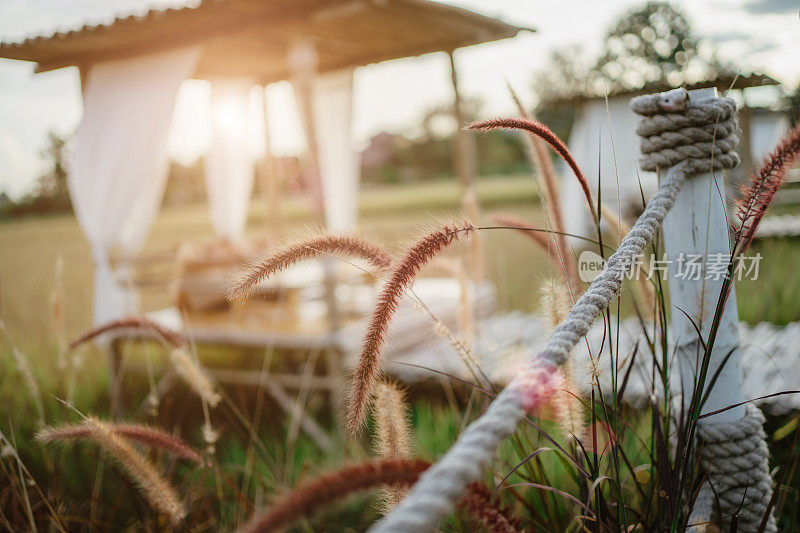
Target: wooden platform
[[770, 358]]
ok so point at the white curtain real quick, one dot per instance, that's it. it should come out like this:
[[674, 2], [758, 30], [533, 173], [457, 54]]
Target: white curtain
[[118, 169], [229, 165], [339, 168], [590, 142]]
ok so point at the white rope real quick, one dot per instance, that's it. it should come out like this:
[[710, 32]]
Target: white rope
[[735, 453], [739, 484], [438, 489]]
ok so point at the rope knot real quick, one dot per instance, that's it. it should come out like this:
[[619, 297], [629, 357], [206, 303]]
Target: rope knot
[[700, 135]]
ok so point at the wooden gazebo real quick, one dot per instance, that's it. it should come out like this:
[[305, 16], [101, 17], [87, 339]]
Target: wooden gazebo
[[131, 68], [252, 38]]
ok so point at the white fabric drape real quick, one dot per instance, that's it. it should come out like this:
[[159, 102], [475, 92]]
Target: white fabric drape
[[591, 144], [332, 97], [118, 169], [229, 165]]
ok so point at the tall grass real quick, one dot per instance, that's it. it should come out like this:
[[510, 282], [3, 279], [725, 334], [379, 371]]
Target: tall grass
[[583, 461]]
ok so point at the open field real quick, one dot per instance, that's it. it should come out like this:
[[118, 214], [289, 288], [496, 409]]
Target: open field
[[393, 215]]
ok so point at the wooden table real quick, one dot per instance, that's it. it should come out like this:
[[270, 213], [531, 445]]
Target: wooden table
[[410, 329]]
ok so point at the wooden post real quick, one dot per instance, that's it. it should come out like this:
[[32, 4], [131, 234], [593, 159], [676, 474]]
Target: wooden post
[[697, 227], [269, 180], [83, 71], [465, 165], [302, 61]]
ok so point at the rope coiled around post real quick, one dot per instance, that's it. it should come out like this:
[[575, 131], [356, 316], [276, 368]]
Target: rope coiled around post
[[734, 453], [435, 494], [737, 459]]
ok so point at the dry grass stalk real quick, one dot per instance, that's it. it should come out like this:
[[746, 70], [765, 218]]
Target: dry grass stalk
[[542, 241], [618, 226], [158, 492], [392, 435], [210, 437], [545, 133], [764, 183], [194, 376], [568, 408], [570, 412], [486, 513], [466, 308], [24, 369], [248, 280], [328, 488], [646, 294], [522, 226], [475, 254], [132, 323], [466, 320], [537, 152], [57, 308], [148, 436], [366, 374], [73, 370], [444, 331]]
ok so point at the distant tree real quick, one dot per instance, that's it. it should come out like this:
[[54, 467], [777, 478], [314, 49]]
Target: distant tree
[[566, 74], [654, 43], [53, 183], [50, 193]]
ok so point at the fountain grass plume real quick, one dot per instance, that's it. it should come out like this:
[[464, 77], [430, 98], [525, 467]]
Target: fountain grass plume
[[555, 302], [311, 496], [249, 278], [157, 491], [194, 376], [406, 269], [546, 134], [138, 433], [537, 153], [132, 323], [328, 488], [485, 513], [392, 435], [392, 432], [764, 183]]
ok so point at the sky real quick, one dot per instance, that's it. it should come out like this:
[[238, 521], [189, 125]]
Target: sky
[[761, 35]]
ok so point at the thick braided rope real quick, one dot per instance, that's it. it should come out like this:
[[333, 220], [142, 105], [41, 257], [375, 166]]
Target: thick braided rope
[[737, 459], [437, 490], [735, 453]]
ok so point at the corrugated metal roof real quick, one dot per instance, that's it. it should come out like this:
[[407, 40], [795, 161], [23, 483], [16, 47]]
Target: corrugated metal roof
[[724, 81], [251, 37]]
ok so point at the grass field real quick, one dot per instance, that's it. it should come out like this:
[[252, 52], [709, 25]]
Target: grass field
[[392, 215], [263, 457]]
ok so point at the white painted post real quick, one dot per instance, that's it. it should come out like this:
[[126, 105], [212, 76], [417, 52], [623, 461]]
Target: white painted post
[[697, 225]]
